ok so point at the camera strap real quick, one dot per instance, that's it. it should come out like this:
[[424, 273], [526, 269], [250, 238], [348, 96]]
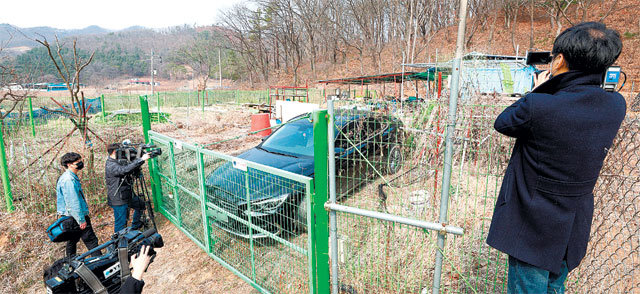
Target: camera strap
[[123, 256], [90, 278]]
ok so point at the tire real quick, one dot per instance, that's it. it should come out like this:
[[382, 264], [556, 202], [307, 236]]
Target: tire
[[394, 159]]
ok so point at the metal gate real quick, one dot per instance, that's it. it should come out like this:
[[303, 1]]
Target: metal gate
[[233, 209], [383, 184]]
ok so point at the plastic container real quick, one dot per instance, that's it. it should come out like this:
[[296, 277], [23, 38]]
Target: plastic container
[[260, 121]]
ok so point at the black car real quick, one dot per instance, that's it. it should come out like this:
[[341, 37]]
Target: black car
[[363, 140]]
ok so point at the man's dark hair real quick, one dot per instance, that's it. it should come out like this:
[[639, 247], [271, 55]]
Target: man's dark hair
[[113, 147], [589, 47], [69, 158]]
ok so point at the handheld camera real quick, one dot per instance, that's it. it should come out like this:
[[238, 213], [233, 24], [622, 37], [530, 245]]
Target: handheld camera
[[101, 274], [129, 152]]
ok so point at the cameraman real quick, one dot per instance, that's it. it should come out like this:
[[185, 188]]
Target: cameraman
[[118, 178], [563, 130]]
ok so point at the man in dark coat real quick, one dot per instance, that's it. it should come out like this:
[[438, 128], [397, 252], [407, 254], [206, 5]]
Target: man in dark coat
[[119, 190], [563, 130]]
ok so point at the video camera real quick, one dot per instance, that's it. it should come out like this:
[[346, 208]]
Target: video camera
[[129, 152], [611, 77], [102, 274]]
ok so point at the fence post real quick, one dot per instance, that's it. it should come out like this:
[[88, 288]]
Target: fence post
[[333, 225], [5, 172], [33, 125], [320, 246], [104, 116], [146, 127], [448, 152], [158, 107], [203, 201]]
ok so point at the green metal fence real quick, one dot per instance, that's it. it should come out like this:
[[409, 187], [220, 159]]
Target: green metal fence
[[251, 218]]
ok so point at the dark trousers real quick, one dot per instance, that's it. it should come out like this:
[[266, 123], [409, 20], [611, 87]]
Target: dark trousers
[[89, 238], [121, 217]]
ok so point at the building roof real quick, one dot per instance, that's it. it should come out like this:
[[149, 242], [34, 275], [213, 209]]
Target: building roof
[[379, 79]]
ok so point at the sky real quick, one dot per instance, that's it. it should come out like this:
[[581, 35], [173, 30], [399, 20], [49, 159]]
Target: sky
[[111, 14]]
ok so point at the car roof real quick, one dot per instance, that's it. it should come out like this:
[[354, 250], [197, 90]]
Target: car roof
[[343, 116]]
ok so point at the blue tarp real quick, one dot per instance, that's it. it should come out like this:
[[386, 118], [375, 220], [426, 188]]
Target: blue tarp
[[93, 106], [493, 79]]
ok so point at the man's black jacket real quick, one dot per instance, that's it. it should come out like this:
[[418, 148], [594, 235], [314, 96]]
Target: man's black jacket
[[132, 286], [563, 130], [119, 190]]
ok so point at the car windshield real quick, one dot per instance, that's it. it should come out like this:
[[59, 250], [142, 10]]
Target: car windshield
[[294, 138]]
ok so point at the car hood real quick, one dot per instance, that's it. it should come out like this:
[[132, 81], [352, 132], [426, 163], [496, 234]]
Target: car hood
[[229, 184], [297, 165]]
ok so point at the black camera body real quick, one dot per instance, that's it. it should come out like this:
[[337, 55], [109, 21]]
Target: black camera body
[[539, 57], [64, 275], [610, 79], [129, 152]]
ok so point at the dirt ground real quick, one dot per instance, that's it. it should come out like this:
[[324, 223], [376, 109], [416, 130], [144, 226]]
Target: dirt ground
[[183, 267], [216, 126]]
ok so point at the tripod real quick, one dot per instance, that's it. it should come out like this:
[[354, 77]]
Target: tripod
[[140, 189]]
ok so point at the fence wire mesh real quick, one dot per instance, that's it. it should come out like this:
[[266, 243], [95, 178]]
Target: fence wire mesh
[[400, 173], [612, 262], [34, 143]]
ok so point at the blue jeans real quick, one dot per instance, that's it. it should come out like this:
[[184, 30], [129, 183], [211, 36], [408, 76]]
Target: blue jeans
[[121, 217], [526, 278]]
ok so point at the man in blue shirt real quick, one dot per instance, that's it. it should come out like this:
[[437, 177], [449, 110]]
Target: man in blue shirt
[[71, 202]]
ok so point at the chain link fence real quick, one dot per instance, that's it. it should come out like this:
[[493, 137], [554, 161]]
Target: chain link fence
[[612, 262]]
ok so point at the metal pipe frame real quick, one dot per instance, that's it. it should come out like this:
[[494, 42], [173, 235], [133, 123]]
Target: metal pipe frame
[[333, 226], [439, 227]]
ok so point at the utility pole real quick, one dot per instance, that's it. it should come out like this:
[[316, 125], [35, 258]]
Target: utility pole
[[152, 74], [219, 70]]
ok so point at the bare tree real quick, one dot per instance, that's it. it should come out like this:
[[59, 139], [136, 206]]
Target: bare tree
[[69, 69], [556, 9], [70, 75], [12, 92], [201, 55], [282, 35]]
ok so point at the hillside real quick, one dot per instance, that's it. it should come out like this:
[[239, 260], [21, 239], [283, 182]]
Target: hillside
[[486, 36], [264, 45], [13, 36]]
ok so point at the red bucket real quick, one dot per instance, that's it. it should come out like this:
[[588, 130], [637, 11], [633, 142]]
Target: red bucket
[[260, 121]]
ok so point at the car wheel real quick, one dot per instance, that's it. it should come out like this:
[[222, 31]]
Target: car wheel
[[300, 218], [394, 159]]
